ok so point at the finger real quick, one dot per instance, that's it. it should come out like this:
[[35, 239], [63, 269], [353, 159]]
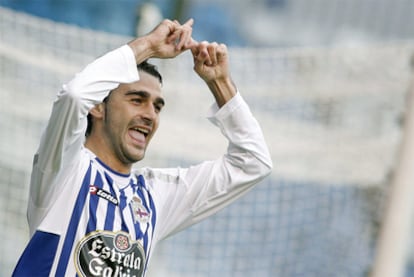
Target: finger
[[191, 44], [173, 37], [212, 51], [174, 31], [195, 49], [169, 24], [201, 61], [221, 53], [185, 39], [198, 63], [203, 54], [189, 22]]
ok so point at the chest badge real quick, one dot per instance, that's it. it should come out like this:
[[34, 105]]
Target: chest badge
[[139, 212]]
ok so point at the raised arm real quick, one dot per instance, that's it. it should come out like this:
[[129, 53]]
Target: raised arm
[[188, 195], [64, 136]]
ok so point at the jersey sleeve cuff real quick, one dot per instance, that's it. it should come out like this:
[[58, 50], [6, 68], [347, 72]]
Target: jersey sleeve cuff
[[216, 113]]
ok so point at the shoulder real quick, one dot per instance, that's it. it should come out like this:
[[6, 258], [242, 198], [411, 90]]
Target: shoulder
[[160, 175]]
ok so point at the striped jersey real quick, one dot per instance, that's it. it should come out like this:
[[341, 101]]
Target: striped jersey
[[86, 219]]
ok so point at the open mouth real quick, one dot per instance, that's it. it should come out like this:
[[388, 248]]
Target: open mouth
[[143, 131], [139, 135]]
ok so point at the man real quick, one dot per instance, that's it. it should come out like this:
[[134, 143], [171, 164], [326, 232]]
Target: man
[[90, 213]]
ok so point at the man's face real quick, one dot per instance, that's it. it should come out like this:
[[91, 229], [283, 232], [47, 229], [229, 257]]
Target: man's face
[[131, 118]]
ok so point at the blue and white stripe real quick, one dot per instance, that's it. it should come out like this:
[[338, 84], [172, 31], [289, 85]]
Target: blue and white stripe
[[90, 213]]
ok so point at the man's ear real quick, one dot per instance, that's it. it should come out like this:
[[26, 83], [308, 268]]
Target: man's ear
[[98, 111]]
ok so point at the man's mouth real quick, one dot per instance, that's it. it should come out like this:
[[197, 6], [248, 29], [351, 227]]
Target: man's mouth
[[139, 134], [143, 131]]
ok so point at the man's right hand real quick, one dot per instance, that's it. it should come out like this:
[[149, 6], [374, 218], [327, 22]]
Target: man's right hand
[[167, 40]]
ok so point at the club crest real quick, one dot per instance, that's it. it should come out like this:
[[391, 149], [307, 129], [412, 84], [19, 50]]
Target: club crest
[[140, 213]]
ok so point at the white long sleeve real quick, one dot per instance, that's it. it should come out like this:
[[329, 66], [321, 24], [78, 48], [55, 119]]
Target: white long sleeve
[[64, 135], [184, 196]]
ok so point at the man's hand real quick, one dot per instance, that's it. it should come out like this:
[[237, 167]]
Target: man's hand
[[210, 61], [167, 40], [212, 65]]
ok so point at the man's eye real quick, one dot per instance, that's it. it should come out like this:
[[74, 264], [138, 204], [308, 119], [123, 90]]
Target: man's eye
[[137, 100], [158, 108]]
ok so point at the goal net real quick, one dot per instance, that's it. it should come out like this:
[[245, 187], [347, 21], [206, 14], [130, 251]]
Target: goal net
[[332, 118]]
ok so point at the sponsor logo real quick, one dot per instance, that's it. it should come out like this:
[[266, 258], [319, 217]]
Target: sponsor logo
[[109, 254], [140, 213], [103, 194]]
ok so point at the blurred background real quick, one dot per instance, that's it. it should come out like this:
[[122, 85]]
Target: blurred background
[[327, 80], [259, 23]]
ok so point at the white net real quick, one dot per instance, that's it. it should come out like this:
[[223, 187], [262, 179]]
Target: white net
[[332, 119]]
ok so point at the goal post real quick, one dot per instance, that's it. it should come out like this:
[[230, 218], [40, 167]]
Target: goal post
[[394, 235]]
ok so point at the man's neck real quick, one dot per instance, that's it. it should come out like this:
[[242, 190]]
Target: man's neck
[[108, 158]]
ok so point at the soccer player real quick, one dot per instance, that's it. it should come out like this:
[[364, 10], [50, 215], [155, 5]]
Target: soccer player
[[90, 212]]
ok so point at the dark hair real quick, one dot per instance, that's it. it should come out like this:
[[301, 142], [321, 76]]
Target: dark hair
[[145, 66], [150, 69]]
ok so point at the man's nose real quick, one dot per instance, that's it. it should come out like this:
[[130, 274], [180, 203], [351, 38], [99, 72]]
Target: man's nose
[[149, 113]]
